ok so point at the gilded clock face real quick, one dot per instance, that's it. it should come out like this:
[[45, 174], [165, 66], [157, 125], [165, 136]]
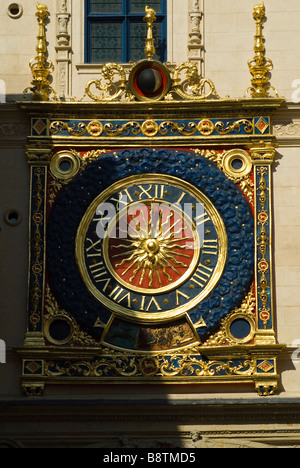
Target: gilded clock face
[[151, 247]]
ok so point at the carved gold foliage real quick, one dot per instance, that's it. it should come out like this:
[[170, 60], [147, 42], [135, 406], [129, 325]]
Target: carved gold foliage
[[59, 180], [108, 88], [162, 367], [223, 336], [192, 87], [113, 85], [52, 310], [244, 179], [149, 128]]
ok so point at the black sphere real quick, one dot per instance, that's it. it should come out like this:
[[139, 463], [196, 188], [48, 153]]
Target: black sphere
[[149, 81]]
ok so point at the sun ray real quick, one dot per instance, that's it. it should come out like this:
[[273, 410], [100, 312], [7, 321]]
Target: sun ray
[[165, 224], [158, 227], [150, 275], [127, 259], [170, 228], [144, 229], [163, 266], [138, 268], [135, 236], [170, 265], [178, 254], [143, 273], [122, 254], [130, 266], [119, 246], [154, 249], [178, 240], [157, 274], [177, 262]]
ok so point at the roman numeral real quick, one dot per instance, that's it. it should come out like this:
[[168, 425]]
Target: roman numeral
[[94, 245], [210, 247], [201, 219], [117, 292], [202, 275], [98, 270], [152, 301], [178, 293]]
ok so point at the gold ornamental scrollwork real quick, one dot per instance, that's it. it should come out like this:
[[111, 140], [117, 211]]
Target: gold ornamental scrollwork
[[36, 292], [193, 88], [224, 130], [114, 86], [245, 312], [52, 313], [58, 126], [108, 89], [162, 367], [150, 128], [241, 176], [62, 175]]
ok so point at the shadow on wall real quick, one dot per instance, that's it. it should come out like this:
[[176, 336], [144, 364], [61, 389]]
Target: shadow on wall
[[2, 92]]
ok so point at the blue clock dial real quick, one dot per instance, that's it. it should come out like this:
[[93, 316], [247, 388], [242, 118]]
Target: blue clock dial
[[161, 275]]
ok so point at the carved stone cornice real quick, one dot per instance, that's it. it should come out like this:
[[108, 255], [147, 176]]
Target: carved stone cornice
[[14, 126], [185, 410], [286, 125], [151, 423]]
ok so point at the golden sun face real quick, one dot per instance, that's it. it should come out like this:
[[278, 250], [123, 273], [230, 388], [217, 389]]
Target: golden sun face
[[150, 249], [161, 246]]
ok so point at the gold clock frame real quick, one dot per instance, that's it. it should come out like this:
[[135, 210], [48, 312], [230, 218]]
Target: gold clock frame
[[152, 178], [188, 117], [227, 360]]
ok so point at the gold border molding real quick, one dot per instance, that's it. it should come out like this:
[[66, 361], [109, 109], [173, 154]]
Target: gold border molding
[[121, 185]]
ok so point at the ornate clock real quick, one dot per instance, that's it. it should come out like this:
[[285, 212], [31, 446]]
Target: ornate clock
[[155, 259], [151, 234]]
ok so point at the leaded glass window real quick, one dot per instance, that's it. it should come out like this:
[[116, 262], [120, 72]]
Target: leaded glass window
[[116, 32]]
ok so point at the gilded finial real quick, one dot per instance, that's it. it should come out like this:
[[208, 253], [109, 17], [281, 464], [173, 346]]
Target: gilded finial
[[149, 19], [259, 65], [41, 66]]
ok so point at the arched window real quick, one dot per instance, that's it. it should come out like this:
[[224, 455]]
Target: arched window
[[116, 32]]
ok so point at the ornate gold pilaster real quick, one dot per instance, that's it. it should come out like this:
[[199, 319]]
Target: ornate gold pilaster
[[263, 158]]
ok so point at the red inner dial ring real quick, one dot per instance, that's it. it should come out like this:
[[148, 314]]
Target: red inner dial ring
[[151, 248], [149, 80]]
